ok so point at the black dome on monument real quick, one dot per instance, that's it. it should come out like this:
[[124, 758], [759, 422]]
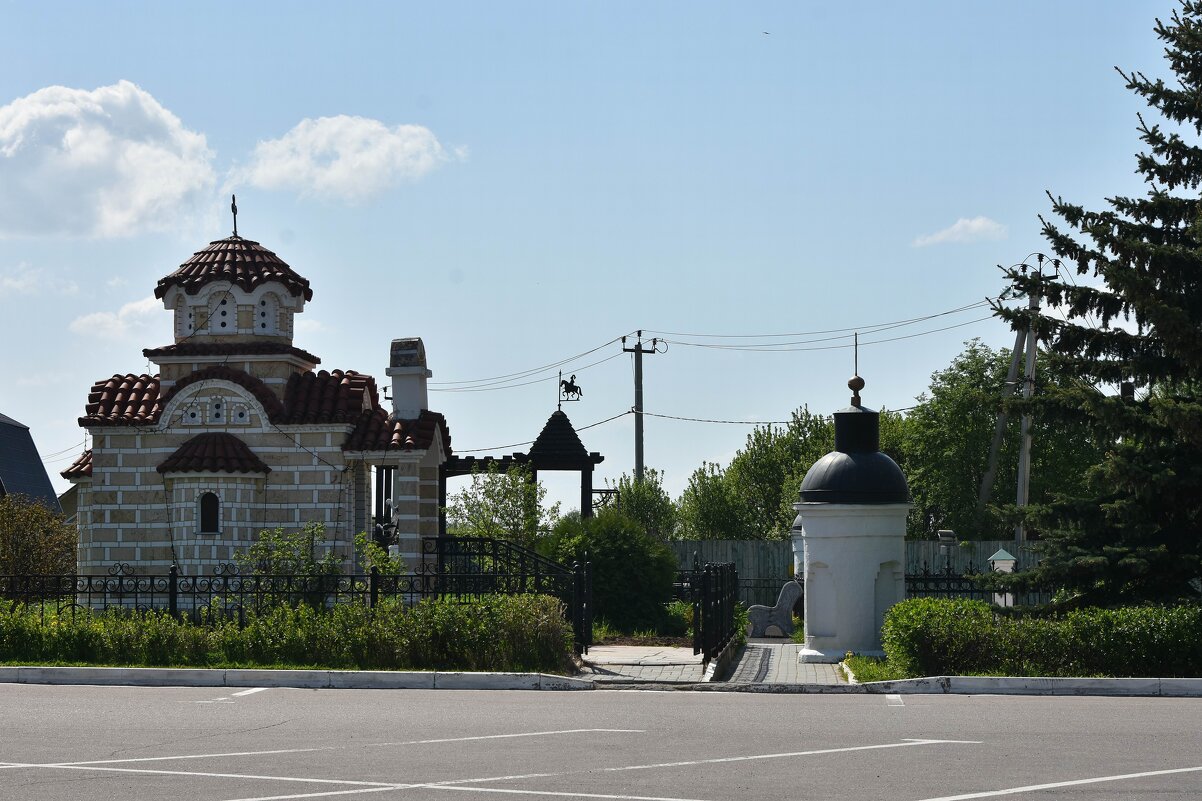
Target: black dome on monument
[[856, 471]]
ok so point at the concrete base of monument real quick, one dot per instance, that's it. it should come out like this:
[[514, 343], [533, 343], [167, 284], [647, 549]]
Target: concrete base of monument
[[831, 656]]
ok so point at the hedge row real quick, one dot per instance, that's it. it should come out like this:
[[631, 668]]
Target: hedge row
[[495, 633], [941, 637]]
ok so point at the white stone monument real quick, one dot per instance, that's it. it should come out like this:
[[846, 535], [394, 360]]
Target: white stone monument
[[849, 538]]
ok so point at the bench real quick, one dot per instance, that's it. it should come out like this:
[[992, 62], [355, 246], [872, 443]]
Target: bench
[[763, 618]]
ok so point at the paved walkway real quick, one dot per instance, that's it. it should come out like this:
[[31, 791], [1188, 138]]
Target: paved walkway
[[763, 661]]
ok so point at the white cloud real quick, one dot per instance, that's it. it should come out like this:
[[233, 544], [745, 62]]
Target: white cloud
[[104, 163], [25, 280], [306, 326], [349, 158], [977, 229], [130, 319]]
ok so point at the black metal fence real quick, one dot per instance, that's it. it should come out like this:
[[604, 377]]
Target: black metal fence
[[459, 570], [472, 566], [943, 582], [713, 590]]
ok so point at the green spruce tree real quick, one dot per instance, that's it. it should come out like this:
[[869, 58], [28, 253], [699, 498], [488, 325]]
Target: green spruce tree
[[1135, 317]]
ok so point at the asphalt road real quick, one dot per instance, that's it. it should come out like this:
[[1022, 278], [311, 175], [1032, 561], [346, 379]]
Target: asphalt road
[[144, 744]]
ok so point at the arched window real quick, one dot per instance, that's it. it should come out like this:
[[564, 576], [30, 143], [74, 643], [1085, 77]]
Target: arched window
[[267, 315], [210, 514]]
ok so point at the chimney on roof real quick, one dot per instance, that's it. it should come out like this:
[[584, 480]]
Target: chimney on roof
[[407, 367]]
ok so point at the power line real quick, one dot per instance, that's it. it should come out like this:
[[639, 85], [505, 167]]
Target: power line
[[525, 373], [524, 383], [746, 422], [860, 328], [531, 442], [781, 349]]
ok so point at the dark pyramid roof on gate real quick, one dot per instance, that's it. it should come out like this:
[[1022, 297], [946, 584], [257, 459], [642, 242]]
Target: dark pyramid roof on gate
[[560, 445]]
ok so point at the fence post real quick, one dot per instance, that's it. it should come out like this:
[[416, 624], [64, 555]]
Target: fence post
[[373, 583], [173, 590]]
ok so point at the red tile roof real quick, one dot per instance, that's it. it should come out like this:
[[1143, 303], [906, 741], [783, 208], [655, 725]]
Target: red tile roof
[[123, 400], [310, 398], [81, 467], [328, 397], [261, 392], [240, 261], [376, 431], [213, 451], [230, 349]]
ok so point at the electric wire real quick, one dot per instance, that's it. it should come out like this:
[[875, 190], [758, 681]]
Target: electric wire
[[531, 442], [525, 373], [861, 329], [524, 383]]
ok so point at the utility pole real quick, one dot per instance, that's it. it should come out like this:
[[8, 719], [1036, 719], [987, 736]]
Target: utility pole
[[638, 352], [1024, 455]]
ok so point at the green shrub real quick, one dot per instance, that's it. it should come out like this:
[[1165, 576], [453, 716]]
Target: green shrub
[[929, 636], [492, 633], [632, 572]]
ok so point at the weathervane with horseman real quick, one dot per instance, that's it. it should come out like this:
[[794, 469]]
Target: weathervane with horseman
[[568, 390]]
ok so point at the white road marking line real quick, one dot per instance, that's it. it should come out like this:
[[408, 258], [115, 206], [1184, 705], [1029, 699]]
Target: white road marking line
[[321, 795], [894, 700], [560, 794], [904, 744], [251, 691], [297, 779], [1071, 783], [334, 747], [507, 736]]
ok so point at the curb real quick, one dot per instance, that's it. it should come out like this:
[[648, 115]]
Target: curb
[[301, 679], [433, 680], [1012, 685]]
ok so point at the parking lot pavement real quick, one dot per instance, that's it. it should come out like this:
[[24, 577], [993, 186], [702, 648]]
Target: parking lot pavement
[[219, 744]]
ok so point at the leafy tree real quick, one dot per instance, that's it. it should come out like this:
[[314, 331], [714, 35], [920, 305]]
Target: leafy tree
[[34, 539], [1135, 532], [279, 552], [632, 571], [504, 505], [647, 503], [946, 442], [708, 509]]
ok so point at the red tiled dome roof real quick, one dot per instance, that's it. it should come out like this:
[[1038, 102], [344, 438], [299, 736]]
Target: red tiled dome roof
[[240, 261], [213, 451]]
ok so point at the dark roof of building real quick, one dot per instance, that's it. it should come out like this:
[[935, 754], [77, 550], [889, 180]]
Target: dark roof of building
[[230, 349], [856, 471], [81, 467], [377, 431], [558, 445], [21, 469], [242, 262], [123, 400], [213, 451]]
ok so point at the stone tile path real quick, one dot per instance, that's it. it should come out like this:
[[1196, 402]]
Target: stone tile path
[[763, 661]]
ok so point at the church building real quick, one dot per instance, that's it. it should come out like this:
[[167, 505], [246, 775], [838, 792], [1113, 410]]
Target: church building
[[239, 432]]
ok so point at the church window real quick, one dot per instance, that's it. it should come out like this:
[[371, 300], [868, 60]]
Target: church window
[[210, 513]]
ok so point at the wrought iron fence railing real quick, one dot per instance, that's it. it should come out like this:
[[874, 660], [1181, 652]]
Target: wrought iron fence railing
[[458, 565], [713, 591], [460, 572]]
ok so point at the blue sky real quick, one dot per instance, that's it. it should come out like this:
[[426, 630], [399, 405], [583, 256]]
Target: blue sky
[[518, 183]]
